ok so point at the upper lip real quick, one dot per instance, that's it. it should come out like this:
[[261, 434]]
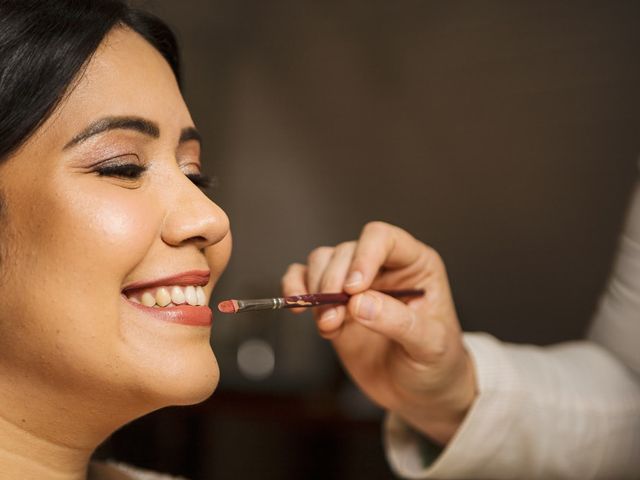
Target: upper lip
[[192, 277]]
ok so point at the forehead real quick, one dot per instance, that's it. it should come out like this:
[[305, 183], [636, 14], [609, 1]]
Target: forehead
[[126, 76]]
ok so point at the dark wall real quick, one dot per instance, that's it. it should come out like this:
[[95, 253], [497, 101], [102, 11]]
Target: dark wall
[[504, 134]]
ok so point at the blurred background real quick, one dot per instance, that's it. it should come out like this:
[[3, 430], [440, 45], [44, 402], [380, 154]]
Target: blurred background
[[503, 133]]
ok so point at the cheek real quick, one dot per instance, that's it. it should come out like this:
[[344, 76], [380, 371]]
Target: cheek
[[119, 228], [104, 235], [66, 258], [72, 252]]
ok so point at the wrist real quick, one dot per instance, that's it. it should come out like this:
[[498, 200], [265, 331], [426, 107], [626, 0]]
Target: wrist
[[438, 416]]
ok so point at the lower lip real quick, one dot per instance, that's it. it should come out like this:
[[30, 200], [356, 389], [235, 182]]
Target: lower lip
[[182, 314]]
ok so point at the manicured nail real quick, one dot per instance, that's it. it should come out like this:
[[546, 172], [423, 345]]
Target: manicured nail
[[354, 279], [367, 306]]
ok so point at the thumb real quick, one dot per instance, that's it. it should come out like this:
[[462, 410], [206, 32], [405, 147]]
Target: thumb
[[422, 338]]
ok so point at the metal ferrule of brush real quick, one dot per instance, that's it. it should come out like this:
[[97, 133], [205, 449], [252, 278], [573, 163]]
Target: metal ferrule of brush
[[260, 304]]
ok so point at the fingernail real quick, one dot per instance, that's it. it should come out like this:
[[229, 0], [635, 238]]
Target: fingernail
[[354, 279], [367, 307], [329, 315]]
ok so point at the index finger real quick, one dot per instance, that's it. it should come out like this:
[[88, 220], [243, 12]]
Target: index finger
[[293, 283], [380, 245]]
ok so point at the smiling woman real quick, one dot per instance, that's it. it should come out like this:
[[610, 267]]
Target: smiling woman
[[110, 250]]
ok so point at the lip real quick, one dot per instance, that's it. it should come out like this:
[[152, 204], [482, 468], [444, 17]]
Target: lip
[[197, 316], [192, 277]]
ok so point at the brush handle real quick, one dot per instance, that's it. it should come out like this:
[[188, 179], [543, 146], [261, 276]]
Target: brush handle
[[313, 300]]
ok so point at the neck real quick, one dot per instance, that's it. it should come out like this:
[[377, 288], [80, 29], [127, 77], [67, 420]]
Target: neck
[[26, 455], [51, 435]]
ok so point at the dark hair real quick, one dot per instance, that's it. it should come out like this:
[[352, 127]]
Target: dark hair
[[44, 47]]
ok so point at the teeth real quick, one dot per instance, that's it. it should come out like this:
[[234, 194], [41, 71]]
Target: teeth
[[177, 296], [190, 295], [202, 299], [148, 300], [162, 297], [172, 296]]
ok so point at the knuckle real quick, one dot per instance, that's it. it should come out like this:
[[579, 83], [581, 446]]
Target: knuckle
[[285, 281], [319, 253], [433, 257], [295, 268], [294, 276], [291, 271], [345, 246], [432, 252], [329, 282], [376, 226]]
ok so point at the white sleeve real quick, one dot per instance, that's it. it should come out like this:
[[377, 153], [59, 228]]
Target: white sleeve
[[567, 411]]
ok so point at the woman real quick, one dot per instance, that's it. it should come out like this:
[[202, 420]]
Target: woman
[[109, 251]]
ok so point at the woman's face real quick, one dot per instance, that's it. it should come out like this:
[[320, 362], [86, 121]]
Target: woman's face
[[99, 200]]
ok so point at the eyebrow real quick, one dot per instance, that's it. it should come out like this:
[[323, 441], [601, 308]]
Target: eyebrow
[[137, 124]]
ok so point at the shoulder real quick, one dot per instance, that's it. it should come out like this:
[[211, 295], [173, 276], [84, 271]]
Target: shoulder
[[120, 471]]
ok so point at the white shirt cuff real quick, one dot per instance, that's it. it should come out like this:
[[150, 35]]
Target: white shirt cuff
[[471, 446]]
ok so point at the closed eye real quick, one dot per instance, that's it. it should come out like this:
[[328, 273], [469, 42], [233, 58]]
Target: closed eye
[[204, 182], [128, 170]]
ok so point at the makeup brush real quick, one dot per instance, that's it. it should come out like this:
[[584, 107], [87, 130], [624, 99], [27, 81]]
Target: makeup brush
[[311, 300]]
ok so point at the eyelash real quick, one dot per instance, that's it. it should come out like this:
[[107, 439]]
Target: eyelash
[[204, 182], [127, 170], [132, 171]]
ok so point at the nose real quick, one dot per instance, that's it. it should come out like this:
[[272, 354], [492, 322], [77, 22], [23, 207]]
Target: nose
[[192, 218]]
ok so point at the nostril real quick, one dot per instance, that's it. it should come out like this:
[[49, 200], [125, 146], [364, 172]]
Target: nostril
[[198, 239]]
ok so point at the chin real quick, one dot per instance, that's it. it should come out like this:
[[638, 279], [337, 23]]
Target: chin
[[184, 379]]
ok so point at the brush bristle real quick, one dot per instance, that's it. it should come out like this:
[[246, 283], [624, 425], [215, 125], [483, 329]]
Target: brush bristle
[[228, 306]]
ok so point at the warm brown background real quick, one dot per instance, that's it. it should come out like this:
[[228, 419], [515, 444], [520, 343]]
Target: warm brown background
[[505, 134]]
